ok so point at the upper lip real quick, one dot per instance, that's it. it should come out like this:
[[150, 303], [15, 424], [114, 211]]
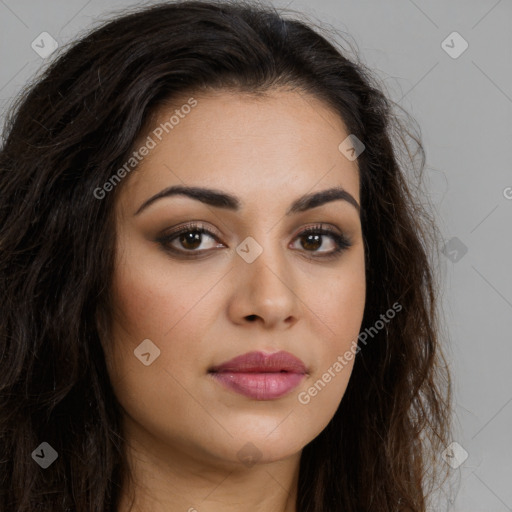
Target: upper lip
[[259, 362]]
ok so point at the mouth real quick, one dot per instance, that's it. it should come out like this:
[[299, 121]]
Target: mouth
[[261, 376]]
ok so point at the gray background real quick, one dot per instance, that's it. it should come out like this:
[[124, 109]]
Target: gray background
[[464, 108]]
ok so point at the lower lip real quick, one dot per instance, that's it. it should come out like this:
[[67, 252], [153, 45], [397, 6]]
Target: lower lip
[[260, 386]]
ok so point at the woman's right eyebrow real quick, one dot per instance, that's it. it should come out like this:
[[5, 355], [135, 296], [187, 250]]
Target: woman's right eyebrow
[[228, 201]]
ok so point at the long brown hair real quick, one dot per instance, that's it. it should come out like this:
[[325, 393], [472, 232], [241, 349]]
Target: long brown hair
[[66, 136]]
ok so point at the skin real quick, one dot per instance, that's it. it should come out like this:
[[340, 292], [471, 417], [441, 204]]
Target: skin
[[182, 428]]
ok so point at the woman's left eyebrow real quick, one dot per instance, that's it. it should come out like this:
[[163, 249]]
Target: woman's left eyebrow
[[228, 201]]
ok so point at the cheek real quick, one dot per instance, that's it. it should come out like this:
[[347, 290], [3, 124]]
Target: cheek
[[152, 304], [339, 309], [339, 303], [153, 296], [167, 304]]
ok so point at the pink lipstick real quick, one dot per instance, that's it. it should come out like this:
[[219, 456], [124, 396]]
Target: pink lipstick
[[261, 376]]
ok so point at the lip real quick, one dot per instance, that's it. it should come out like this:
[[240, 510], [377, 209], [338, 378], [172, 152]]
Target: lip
[[261, 376]]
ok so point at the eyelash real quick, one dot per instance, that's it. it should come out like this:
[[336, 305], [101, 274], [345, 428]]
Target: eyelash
[[342, 243]]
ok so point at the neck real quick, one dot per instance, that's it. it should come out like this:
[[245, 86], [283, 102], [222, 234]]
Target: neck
[[179, 478]]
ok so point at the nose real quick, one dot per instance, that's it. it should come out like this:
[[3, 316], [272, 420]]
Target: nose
[[265, 292]]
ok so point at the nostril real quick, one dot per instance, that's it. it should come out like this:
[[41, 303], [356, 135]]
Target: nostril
[[251, 318]]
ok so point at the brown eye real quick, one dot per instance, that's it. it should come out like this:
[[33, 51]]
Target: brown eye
[[312, 239], [187, 240], [190, 240], [312, 242]]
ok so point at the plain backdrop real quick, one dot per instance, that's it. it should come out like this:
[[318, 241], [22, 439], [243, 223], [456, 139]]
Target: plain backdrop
[[461, 97]]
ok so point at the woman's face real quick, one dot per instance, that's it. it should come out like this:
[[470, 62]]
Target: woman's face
[[253, 283]]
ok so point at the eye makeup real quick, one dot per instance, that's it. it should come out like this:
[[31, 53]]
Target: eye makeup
[[191, 236]]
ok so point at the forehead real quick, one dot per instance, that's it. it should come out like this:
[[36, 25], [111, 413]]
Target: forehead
[[282, 144]]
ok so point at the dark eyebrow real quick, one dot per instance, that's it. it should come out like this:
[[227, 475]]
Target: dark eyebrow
[[230, 202]]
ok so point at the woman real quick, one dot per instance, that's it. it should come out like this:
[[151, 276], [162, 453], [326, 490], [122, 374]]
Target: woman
[[216, 283]]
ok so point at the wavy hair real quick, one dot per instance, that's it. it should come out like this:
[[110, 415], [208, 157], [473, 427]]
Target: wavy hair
[[69, 131]]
